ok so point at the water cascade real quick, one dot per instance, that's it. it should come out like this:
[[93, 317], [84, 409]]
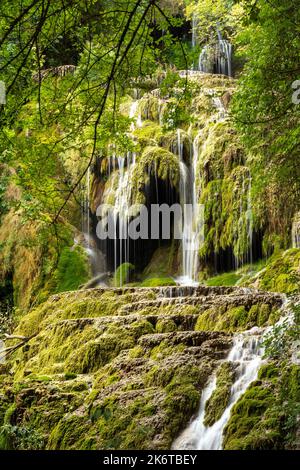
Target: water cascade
[[121, 168], [191, 214], [216, 59], [246, 358], [296, 231]]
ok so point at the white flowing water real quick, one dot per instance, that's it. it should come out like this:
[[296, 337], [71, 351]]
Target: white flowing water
[[135, 115], [194, 30], [86, 229], [122, 207], [296, 231], [124, 165], [217, 59], [246, 357], [192, 222]]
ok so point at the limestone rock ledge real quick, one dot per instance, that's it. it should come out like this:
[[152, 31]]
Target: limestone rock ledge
[[120, 368]]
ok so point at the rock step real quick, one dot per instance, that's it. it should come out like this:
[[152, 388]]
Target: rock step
[[206, 302], [191, 339], [169, 291], [187, 321]]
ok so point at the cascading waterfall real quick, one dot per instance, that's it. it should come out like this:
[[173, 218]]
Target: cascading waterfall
[[194, 30], [96, 257], [191, 217], [122, 208], [124, 166], [296, 231], [217, 59], [86, 222], [246, 357]]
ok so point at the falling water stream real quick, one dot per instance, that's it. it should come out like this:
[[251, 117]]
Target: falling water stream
[[246, 357], [218, 59], [296, 231], [191, 214]]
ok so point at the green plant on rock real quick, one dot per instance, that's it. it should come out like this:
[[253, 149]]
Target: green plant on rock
[[158, 282], [123, 274], [72, 269]]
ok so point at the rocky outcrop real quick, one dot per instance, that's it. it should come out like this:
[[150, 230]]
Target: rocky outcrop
[[134, 378]]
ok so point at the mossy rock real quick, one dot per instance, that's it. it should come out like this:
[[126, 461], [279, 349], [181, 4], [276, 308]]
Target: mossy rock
[[158, 282], [219, 400]]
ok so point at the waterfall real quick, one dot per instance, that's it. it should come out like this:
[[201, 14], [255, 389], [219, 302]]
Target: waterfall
[[191, 216], [85, 212], [124, 166], [194, 30], [296, 231], [86, 239], [249, 218], [217, 59], [135, 115], [246, 357], [122, 204]]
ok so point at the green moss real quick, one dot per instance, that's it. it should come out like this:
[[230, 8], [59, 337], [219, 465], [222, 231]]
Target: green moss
[[123, 274], [163, 263], [268, 371], [165, 326], [226, 279], [148, 134], [72, 270], [70, 376], [219, 400], [265, 417], [236, 318], [281, 274], [157, 162], [157, 282]]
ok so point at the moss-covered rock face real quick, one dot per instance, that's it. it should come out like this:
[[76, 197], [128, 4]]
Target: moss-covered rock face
[[134, 378], [281, 273], [266, 415], [218, 402], [30, 259]]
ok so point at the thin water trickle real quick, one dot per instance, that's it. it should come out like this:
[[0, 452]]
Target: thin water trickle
[[296, 231]]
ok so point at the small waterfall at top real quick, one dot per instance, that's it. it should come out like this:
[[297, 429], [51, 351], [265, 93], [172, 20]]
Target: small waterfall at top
[[296, 231], [216, 59], [191, 215], [194, 30], [194, 35]]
